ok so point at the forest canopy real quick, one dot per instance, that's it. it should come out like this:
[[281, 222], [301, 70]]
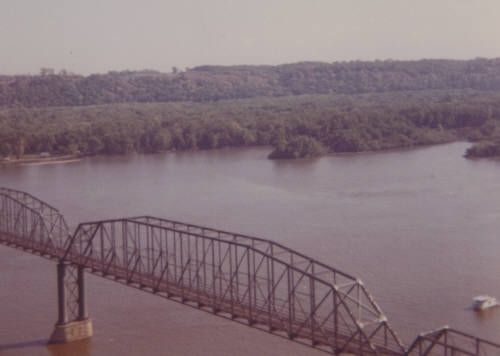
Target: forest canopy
[[302, 109], [331, 123], [212, 83]]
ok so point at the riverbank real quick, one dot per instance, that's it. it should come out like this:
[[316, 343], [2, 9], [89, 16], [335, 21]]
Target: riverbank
[[37, 160]]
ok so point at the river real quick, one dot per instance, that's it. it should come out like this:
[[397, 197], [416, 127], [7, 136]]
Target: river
[[420, 227]]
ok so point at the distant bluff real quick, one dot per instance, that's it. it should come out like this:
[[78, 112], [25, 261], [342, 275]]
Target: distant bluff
[[212, 83]]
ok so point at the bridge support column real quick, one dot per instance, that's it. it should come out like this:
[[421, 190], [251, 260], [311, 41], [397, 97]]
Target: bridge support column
[[72, 322], [82, 302]]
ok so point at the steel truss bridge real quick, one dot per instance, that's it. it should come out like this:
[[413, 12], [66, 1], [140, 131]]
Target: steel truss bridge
[[254, 281]]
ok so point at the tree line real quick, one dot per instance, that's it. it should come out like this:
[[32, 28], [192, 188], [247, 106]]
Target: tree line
[[296, 126], [213, 83]]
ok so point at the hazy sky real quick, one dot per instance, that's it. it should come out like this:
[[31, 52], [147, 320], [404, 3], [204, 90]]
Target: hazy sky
[[88, 36]]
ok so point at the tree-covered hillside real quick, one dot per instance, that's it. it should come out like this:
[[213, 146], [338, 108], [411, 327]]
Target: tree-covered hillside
[[211, 83]]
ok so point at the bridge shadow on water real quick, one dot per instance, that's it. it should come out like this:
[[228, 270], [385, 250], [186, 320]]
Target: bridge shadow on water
[[81, 348], [23, 345]]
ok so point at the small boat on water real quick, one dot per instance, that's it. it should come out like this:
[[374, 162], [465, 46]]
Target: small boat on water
[[482, 302]]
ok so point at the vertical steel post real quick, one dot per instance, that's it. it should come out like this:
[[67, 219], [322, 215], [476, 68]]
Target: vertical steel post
[[61, 293], [219, 252], [250, 313], [335, 319], [214, 280], [82, 306], [126, 262], [312, 300], [446, 343], [197, 264], [231, 278], [237, 266], [290, 301], [182, 270], [189, 260], [269, 295]]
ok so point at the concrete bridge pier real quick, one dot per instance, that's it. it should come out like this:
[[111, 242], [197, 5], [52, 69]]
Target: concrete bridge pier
[[70, 327]]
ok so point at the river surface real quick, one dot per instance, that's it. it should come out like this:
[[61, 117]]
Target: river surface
[[420, 227]]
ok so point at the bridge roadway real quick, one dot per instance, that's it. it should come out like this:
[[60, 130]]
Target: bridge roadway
[[250, 280]]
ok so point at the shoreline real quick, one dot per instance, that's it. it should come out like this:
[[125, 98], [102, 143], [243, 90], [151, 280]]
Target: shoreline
[[31, 161], [36, 161]]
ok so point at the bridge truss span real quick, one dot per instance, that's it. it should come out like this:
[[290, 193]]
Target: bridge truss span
[[31, 224], [28, 223], [243, 278], [368, 312], [447, 341]]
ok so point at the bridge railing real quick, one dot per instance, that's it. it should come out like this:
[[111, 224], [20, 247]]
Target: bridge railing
[[31, 224], [234, 277], [446, 341]]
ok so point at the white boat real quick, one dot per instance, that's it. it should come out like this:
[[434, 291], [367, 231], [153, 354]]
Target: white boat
[[482, 302]]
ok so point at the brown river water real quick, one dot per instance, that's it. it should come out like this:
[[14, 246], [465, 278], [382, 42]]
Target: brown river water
[[420, 227]]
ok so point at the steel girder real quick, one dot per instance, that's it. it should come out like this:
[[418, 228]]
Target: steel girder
[[32, 224], [244, 278], [446, 341]]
